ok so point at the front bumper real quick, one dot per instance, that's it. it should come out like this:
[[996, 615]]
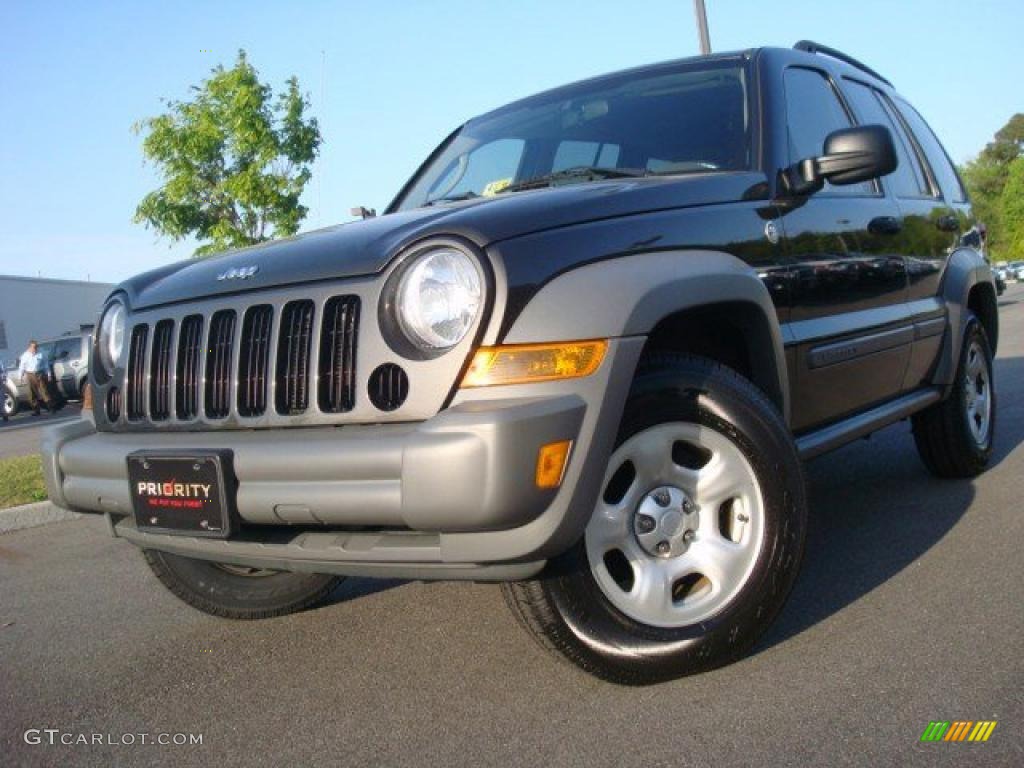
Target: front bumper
[[449, 497]]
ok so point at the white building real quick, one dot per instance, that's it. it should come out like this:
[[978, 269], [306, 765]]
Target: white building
[[40, 308]]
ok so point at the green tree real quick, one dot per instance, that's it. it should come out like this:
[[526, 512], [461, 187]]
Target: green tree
[[986, 178], [1012, 211], [234, 161]]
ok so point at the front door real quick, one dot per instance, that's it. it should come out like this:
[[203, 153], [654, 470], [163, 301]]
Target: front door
[[849, 278]]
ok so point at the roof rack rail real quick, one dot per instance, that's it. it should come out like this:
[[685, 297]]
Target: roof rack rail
[[812, 47]]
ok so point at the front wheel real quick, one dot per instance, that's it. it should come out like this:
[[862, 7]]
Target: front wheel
[[238, 592], [696, 538]]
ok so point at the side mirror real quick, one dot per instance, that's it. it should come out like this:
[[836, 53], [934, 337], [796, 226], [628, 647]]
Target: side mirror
[[851, 155]]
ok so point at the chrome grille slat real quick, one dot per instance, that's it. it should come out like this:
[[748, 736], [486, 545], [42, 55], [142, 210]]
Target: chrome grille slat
[[337, 372], [294, 347], [218, 364], [160, 371], [190, 351], [254, 356], [136, 373]]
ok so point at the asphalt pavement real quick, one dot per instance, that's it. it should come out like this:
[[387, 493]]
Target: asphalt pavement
[[908, 610], [20, 436]]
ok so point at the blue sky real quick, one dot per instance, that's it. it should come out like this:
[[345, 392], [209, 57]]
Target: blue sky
[[388, 80]]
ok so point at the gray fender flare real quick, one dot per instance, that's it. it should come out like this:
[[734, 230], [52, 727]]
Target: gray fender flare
[[965, 269], [630, 295]]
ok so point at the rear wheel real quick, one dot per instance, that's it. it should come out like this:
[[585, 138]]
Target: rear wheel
[[238, 592], [696, 538], [954, 437]]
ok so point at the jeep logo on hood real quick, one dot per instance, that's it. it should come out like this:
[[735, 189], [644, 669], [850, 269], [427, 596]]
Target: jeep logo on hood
[[239, 273]]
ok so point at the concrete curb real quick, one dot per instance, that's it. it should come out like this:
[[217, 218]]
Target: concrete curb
[[32, 516]]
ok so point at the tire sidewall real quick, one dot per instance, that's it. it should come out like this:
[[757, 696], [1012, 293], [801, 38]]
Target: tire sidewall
[[691, 392], [208, 587]]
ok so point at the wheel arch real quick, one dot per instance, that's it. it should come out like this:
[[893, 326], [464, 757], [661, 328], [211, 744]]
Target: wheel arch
[[701, 302], [968, 287]]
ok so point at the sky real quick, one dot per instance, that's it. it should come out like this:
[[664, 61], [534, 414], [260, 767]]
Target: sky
[[389, 80]]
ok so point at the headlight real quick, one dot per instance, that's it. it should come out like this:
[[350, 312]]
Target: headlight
[[439, 298], [110, 342]]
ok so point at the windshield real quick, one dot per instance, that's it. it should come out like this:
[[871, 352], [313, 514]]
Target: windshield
[[691, 119]]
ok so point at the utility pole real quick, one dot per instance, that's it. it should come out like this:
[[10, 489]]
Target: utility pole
[[702, 27]]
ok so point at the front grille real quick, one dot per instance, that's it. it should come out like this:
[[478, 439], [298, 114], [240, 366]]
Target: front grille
[[254, 355], [293, 347], [218, 364], [338, 354], [136, 374], [190, 355], [263, 361], [160, 371]]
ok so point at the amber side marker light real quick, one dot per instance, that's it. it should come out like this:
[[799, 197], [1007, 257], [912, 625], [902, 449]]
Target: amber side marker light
[[551, 461], [529, 363]]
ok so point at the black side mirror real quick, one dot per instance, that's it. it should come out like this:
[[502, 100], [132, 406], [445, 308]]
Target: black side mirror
[[851, 155]]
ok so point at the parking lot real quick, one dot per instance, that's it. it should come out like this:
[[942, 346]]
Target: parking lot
[[908, 610]]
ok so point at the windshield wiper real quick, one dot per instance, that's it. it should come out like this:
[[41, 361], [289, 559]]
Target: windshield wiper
[[587, 172], [453, 199]]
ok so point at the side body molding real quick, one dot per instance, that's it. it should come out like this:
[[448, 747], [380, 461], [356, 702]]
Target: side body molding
[[966, 269], [630, 295]]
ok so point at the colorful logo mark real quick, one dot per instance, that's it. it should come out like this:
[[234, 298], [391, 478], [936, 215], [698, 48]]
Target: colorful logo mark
[[958, 730]]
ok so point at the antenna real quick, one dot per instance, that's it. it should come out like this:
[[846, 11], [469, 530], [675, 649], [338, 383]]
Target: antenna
[[320, 175], [702, 27]]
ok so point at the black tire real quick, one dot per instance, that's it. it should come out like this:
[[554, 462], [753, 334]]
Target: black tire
[[945, 441], [565, 608], [9, 404], [226, 592]]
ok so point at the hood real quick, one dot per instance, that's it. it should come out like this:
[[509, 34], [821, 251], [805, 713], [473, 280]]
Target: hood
[[366, 247]]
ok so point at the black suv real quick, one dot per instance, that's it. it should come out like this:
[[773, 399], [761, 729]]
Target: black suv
[[583, 353]]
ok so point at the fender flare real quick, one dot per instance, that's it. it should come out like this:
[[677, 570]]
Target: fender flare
[[630, 295], [965, 269]]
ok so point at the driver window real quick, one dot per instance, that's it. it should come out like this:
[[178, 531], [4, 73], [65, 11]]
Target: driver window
[[488, 166]]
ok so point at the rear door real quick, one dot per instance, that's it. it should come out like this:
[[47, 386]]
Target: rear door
[[66, 359], [849, 280], [930, 220]]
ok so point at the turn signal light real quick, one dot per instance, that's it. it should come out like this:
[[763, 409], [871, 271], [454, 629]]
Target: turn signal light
[[528, 363], [551, 460]]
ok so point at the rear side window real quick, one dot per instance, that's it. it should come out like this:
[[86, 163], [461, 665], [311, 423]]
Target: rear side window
[[937, 157], [908, 180], [813, 111]]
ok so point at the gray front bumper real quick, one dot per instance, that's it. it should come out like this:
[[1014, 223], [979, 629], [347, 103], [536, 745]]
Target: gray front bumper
[[450, 497]]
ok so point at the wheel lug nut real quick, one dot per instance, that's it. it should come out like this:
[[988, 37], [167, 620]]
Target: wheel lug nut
[[663, 547], [645, 523], [662, 498], [687, 506], [689, 536], [742, 517]]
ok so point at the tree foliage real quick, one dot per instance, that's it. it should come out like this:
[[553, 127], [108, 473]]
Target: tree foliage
[[234, 161], [997, 203]]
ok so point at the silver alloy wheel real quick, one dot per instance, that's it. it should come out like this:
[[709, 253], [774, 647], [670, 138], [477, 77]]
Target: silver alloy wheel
[[679, 525], [978, 393], [8, 405]]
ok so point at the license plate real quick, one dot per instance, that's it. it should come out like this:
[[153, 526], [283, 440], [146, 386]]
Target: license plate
[[189, 493]]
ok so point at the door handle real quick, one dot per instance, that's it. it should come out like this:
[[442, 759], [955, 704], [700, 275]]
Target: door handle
[[885, 225], [948, 223]]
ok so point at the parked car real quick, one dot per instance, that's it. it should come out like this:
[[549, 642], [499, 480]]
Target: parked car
[[583, 353], [69, 371]]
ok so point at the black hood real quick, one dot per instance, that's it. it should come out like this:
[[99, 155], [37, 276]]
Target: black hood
[[366, 247]]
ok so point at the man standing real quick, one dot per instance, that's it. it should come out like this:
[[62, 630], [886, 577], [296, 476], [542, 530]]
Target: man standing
[[34, 367]]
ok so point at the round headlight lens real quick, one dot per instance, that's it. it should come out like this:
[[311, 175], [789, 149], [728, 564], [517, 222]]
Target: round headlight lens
[[439, 298], [111, 339]]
